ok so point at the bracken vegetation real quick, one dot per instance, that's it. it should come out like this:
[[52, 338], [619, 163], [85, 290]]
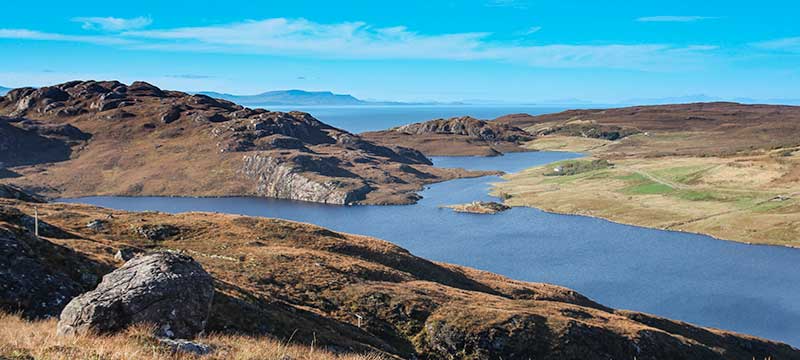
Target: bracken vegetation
[[21, 339]]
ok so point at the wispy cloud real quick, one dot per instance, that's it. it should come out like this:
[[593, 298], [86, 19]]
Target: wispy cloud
[[791, 44], [531, 30], [113, 23], [358, 40], [673, 18], [25, 34], [189, 76], [516, 4]]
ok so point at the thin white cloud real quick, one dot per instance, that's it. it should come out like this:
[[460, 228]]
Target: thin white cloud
[[360, 41], [25, 34], [531, 30], [791, 44], [113, 23], [675, 18], [516, 4]]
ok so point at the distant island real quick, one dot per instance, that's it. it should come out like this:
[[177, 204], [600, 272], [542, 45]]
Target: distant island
[[289, 97]]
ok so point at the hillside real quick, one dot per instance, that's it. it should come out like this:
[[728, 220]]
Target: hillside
[[300, 282], [462, 136], [289, 97], [106, 138], [724, 169]]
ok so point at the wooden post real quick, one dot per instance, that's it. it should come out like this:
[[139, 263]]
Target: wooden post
[[36, 221]]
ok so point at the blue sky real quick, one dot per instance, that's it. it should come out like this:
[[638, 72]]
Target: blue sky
[[513, 50]]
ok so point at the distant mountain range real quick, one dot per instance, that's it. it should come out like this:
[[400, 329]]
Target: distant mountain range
[[3, 90], [327, 98], [290, 97], [705, 98]]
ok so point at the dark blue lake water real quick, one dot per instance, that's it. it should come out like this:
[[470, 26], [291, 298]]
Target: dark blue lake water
[[750, 289], [357, 119]]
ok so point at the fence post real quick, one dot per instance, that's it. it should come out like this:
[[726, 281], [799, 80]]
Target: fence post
[[36, 221]]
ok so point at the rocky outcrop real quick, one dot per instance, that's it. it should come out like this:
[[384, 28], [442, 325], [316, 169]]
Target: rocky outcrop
[[480, 207], [194, 145], [282, 180], [466, 126], [13, 192], [455, 136], [157, 232], [168, 290]]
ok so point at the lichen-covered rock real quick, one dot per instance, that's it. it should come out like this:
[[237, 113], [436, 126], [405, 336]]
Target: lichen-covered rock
[[186, 346], [166, 289]]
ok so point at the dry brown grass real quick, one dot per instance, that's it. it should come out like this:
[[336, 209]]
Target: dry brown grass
[[728, 197], [22, 339]]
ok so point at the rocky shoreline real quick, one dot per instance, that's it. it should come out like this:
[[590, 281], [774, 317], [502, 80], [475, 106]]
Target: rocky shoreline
[[480, 207]]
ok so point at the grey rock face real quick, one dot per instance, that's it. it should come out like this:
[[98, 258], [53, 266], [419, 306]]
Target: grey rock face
[[168, 290], [186, 346], [97, 225], [158, 232], [126, 254], [278, 179]]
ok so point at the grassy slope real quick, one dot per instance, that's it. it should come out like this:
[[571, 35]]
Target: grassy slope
[[728, 197]]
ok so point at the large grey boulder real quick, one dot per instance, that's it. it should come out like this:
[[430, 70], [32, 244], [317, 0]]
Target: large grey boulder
[[165, 289]]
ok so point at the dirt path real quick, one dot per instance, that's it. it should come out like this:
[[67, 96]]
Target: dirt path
[[653, 178]]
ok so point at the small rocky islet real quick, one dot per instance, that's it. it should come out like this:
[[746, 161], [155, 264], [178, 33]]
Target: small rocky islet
[[480, 207]]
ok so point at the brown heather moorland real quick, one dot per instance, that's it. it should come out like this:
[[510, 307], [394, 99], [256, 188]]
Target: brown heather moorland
[[302, 284], [724, 169]]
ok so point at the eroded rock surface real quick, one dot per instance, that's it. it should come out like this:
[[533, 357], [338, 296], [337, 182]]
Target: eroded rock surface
[[166, 289]]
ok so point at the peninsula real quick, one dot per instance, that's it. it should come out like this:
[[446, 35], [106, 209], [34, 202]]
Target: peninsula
[[106, 138]]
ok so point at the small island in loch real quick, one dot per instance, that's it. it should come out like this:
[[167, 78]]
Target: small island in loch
[[480, 207]]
